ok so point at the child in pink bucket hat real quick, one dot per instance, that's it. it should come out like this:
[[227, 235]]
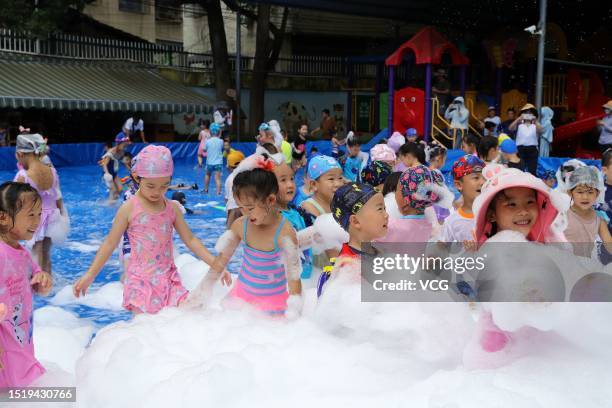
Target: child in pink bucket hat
[[152, 281]]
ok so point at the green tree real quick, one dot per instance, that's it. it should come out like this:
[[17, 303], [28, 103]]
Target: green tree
[[38, 17]]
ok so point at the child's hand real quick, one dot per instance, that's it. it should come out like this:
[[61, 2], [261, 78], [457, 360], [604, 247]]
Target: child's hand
[[226, 278], [80, 287], [42, 283]]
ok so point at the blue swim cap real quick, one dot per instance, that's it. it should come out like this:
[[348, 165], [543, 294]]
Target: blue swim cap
[[215, 129], [508, 146], [264, 126], [319, 165], [410, 132]]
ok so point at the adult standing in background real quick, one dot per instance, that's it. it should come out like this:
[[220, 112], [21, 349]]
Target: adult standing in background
[[505, 125], [327, 128], [527, 137], [132, 126], [459, 117], [605, 126]]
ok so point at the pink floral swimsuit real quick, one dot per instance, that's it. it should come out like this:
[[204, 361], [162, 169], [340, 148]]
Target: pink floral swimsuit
[[152, 281]]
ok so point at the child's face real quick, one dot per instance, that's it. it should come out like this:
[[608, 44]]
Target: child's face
[[286, 183], [467, 148], [226, 145], [607, 172], [257, 211], [26, 220], [550, 182], [470, 185], [409, 160], [584, 196], [303, 130], [371, 220], [515, 209], [154, 189], [265, 136], [327, 184], [353, 150], [127, 161]]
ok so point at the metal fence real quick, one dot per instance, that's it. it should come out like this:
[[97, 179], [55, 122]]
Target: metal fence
[[82, 47]]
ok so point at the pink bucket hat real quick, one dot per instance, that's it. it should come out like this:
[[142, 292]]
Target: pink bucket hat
[[551, 204], [154, 161], [396, 141], [382, 152]]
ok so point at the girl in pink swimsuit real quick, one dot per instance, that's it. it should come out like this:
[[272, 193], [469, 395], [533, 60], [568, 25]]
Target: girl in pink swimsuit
[[151, 280], [20, 209]]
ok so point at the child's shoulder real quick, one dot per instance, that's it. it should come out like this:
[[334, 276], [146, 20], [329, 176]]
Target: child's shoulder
[[237, 226]]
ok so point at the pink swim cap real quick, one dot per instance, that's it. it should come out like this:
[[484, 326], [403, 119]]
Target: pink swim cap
[[382, 152], [154, 161]]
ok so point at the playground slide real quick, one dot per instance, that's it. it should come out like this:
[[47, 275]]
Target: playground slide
[[375, 140], [573, 129]]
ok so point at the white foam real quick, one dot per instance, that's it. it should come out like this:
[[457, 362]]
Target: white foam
[[108, 296], [60, 337], [82, 247]]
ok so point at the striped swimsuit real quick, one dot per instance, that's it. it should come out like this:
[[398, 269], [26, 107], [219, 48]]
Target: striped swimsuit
[[262, 281]]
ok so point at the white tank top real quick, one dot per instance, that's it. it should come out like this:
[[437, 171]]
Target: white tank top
[[526, 135]]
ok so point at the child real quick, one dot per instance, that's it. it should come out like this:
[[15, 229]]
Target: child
[[20, 213], [513, 206], [203, 136], [396, 141], [388, 192], [512, 200], [435, 155], [45, 180], [110, 164], [584, 224], [270, 270], [360, 210], [286, 148], [325, 175], [418, 189], [412, 136], [469, 145], [152, 281], [353, 161], [410, 155], [214, 162], [376, 173], [487, 149], [509, 153], [383, 153], [298, 218], [298, 151], [459, 226]]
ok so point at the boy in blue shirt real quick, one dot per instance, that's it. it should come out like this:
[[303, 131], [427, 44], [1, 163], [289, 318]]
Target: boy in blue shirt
[[353, 160], [214, 160]]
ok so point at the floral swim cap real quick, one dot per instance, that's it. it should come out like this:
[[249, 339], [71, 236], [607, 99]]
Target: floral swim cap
[[154, 161], [421, 187]]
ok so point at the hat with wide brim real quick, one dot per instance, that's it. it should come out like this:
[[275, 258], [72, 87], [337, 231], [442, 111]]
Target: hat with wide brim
[[607, 105], [527, 107]]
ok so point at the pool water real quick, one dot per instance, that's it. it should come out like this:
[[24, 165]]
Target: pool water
[[85, 197]]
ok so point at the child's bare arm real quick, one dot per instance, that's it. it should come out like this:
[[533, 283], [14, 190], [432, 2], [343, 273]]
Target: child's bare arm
[[291, 258], [193, 243], [606, 237], [111, 241]]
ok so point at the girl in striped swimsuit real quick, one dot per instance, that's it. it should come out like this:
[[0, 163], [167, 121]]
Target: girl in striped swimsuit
[[270, 270]]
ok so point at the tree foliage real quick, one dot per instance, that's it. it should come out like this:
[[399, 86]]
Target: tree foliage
[[41, 17]]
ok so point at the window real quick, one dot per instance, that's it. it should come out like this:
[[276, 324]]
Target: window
[[133, 6], [168, 10]]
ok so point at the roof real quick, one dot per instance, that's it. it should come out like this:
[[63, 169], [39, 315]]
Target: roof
[[428, 47], [28, 81]]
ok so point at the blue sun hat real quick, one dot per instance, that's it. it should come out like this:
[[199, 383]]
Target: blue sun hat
[[319, 165]]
